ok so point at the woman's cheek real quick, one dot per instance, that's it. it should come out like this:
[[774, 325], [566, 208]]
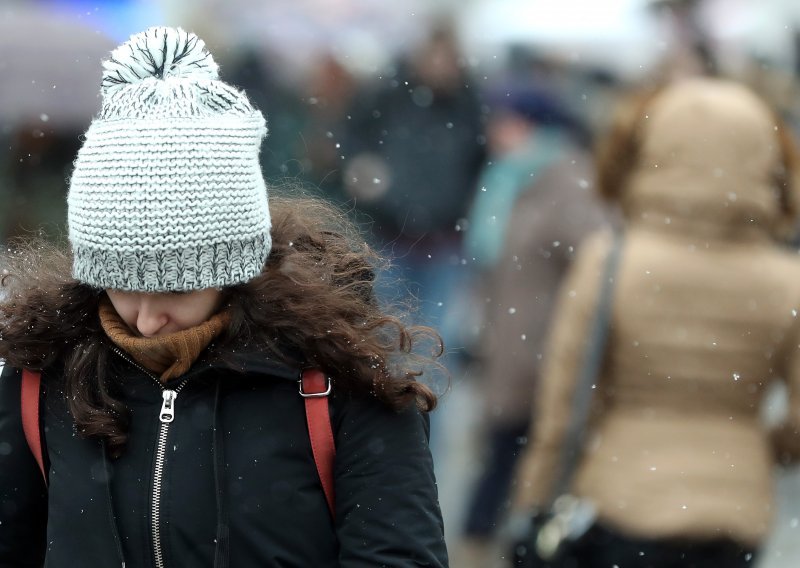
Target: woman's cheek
[[128, 314]]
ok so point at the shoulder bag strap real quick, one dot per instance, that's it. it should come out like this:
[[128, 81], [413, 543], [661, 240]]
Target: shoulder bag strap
[[592, 365], [29, 404], [315, 388]]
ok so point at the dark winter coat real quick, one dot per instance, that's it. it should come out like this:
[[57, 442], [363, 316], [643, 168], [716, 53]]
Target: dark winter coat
[[432, 149], [239, 485]]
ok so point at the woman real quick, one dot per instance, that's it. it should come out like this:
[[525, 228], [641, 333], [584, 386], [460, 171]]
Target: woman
[[523, 233], [677, 464], [173, 430]]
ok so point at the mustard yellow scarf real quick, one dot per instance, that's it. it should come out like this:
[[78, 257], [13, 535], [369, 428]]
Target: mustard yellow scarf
[[169, 355]]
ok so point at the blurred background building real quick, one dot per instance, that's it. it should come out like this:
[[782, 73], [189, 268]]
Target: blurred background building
[[385, 108]]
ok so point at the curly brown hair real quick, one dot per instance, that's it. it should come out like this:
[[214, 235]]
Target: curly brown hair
[[312, 305]]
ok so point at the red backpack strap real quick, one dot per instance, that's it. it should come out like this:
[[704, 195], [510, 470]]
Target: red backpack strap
[[315, 388], [29, 403]]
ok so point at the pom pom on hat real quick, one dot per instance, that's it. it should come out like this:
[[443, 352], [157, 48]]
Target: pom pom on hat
[[164, 73], [158, 53]]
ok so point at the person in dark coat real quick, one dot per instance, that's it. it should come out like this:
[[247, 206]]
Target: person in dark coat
[[170, 341], [414, 149]]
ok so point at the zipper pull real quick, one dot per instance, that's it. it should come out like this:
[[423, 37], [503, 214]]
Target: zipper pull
[[167, 413]]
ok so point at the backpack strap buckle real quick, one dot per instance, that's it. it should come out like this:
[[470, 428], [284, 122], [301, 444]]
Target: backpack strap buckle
[[314, 385]]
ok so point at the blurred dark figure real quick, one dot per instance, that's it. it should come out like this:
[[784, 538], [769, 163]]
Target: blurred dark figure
[[415, 147], [677, 464], [797, 53], [330, 91], [38, 161], [249, 69], [49, 90], [535, 205], [692, 52]]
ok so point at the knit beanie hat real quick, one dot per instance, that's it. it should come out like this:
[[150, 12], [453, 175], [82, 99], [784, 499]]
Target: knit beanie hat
[[167, 192]]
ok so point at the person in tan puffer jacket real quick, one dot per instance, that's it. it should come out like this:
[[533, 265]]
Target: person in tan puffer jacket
[[677, 463]]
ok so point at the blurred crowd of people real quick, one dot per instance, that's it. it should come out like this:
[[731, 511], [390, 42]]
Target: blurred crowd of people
[[481, 190]]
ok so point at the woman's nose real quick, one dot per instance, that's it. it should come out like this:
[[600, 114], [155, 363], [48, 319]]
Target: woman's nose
[[151, 319]]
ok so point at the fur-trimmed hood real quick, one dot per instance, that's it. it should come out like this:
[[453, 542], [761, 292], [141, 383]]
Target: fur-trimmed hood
[[710, 160]]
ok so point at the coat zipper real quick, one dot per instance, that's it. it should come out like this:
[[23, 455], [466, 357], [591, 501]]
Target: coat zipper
[[166, 415]]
